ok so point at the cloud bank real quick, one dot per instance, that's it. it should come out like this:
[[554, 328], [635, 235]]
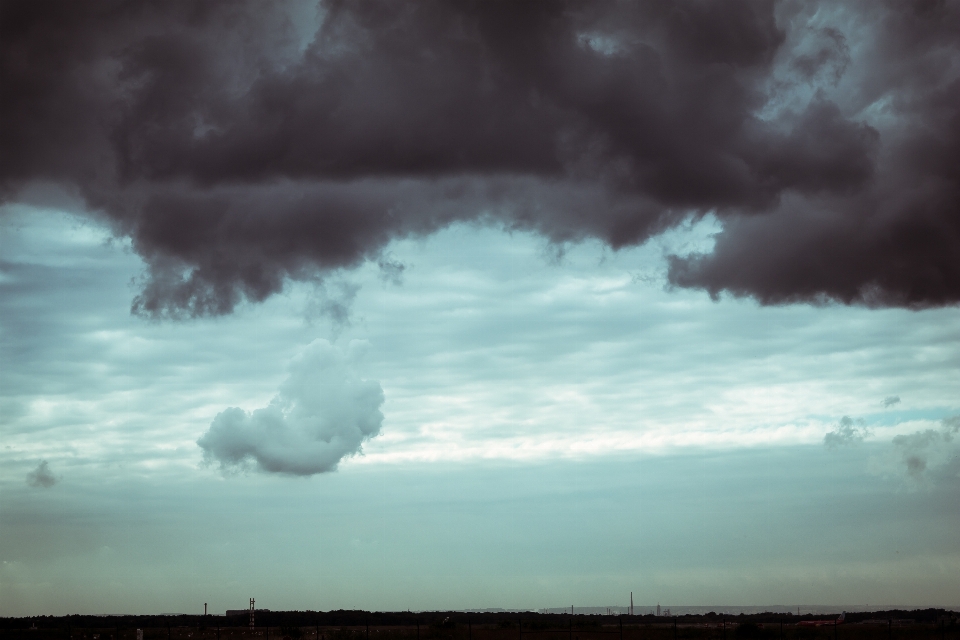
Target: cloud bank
[[241, 145], [322, 413]]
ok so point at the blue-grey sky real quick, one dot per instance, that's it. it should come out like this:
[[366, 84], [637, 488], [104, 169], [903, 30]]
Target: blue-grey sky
[[440, 308]]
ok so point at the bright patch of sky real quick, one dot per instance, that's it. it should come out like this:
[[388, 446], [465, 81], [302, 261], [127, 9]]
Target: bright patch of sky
[[489, 347]]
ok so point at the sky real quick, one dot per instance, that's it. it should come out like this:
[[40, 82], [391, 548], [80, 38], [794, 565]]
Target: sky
[[445, 306]]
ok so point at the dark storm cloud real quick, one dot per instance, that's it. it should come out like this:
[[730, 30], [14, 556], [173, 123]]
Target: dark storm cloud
[[322, 413], [238, 149], [893, 239]]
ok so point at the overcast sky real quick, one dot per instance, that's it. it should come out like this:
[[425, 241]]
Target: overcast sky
[[517, 305]]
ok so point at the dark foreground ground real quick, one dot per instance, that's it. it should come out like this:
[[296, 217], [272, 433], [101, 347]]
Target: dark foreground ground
[[929, 624]]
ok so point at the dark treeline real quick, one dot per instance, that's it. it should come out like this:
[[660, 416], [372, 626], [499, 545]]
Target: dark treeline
[[531, 620]]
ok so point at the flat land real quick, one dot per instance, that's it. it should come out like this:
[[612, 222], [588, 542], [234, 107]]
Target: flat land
[[509, 631]]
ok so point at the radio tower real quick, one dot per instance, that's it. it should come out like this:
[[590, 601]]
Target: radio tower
[[251, 612], [631, 603]]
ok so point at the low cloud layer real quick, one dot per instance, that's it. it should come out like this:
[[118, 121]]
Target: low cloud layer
[[241, 145], [322, 413], [42, 477]]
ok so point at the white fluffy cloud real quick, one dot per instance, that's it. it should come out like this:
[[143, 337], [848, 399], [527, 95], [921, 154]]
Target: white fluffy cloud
[[322, 413]]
